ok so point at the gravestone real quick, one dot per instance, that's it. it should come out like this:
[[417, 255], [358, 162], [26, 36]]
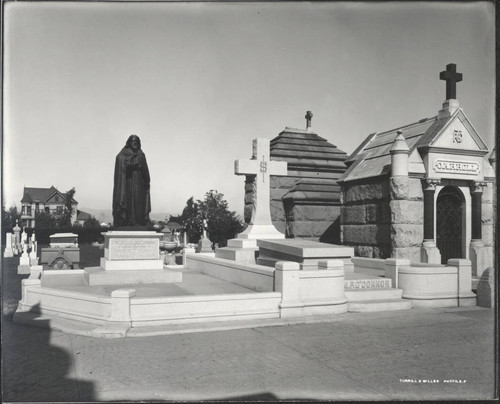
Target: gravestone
[[204, 245], [63, 252], [24, 261], [33, 253], [260, 168], [9, 252], [17, 238]]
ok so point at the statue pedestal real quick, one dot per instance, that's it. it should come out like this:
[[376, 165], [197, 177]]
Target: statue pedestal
[[131, 257]]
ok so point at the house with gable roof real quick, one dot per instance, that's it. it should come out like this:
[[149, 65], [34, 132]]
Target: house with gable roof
[[48, 200]]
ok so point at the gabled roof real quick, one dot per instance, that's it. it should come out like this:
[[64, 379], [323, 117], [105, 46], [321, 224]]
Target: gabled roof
[[374, 157], [41, 194]]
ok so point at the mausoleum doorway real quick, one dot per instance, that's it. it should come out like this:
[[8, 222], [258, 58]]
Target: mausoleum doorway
[[450, 221]]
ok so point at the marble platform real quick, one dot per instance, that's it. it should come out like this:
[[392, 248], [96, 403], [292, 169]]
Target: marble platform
[[307, 253]]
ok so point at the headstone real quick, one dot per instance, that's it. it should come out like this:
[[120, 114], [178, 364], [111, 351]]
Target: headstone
[[262, 167], [9, 252], [24, 261], [204, 245], [486, 289], [33, 253], [244, 248], [17, 238], [63, 252]]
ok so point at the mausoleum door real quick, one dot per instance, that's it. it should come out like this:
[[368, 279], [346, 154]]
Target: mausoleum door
[[449, 223]]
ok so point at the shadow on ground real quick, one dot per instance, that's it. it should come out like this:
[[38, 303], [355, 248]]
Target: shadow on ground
[[43, 362]]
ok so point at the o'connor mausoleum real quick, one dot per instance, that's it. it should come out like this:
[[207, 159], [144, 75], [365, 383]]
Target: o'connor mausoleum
[[423, 191]]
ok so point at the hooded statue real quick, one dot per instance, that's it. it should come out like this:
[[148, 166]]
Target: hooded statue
[[131, 199]]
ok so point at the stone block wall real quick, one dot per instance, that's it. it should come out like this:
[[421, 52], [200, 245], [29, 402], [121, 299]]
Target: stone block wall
[[313, 222], [383, 218], [279, 187], [309, 219], [365, 218], [407, 217]]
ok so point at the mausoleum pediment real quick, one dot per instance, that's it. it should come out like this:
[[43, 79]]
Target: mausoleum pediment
[[455, 136]]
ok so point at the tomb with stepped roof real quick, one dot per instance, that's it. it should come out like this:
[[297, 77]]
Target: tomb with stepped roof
[[306, 202]]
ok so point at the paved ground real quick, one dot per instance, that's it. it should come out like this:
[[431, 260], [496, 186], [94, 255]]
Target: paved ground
[[372, 356]]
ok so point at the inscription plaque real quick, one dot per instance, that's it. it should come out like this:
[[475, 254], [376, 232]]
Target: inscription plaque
[[134, 249], [456, 167]]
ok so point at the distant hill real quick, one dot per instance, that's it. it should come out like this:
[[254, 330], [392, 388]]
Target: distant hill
[[106, 215]]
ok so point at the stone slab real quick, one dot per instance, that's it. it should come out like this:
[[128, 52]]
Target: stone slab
[[306, 249], [131, 265], [242, 243], [237, 254], [99, 276]]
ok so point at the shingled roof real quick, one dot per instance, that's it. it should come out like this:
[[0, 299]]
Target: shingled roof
[[372, 158], [305, 150], [41, 194]]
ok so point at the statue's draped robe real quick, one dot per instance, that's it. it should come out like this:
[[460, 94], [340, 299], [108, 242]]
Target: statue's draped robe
[[131, 198]]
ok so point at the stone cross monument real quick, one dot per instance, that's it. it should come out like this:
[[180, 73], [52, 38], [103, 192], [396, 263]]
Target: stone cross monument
[[451, 77], [260, 166]]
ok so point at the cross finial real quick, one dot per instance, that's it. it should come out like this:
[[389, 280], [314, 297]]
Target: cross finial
[[451, 77], [309, 116]]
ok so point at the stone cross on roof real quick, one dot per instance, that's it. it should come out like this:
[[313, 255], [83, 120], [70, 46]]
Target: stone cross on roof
[[451, 77], [262, 167], [308, 117]]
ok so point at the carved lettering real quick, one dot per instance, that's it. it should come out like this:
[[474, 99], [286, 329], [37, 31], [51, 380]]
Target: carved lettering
[[133, 249], [456, 167], [367, 284]]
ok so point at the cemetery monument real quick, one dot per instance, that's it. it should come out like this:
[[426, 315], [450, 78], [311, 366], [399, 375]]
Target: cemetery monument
[[131, 198]]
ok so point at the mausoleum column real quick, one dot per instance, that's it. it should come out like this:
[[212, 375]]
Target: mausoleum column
[[429, 191], [429, 253], [476, 191], [477, 252]]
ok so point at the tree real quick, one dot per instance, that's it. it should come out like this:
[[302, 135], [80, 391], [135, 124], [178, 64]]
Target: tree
[[9, 217], [68, 208], [91, 223], [192, 221], [44, 220], [222, 223]]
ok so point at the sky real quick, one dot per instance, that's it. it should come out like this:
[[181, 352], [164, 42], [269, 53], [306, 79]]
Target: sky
[[198, 81]]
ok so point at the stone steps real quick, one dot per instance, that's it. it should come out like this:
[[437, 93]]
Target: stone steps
[[373, 294], [378, 305], [371, 300]]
